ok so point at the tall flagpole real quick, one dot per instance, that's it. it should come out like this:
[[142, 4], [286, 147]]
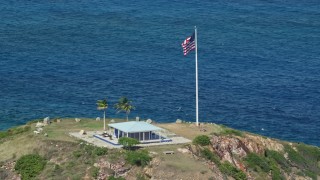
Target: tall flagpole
[[197, 106]]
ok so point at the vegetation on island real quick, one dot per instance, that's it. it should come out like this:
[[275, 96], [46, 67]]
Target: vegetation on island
[[124, 105], [128, 143], [103, 105], [59, 156], [29, 166]]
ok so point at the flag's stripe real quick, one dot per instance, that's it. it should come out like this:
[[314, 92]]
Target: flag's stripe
[[188, 44]]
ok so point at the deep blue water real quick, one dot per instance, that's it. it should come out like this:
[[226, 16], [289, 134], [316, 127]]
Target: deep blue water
[[259, 62]]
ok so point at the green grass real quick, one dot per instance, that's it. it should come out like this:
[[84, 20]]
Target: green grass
[[257, 162], [138, 158], [279, 159], [29, 166], [224, 131], [230, 170], [306, 158], [201, 140], [206, 153], [224, 167], [14, 131], [296, 157]]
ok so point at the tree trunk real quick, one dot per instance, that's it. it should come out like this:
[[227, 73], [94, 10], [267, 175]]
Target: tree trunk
[[127, 117], [104, 120]]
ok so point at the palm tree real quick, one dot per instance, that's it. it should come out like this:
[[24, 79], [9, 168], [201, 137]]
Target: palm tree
[[103, 105], [124, 104]]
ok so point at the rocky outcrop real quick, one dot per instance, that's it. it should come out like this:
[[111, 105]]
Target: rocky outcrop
[[109, 169], [265, 142], [233, 149]]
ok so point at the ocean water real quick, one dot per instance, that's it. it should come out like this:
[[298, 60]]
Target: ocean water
[[259, 62]]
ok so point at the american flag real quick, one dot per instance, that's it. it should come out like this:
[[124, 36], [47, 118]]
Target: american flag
[[188, 44]]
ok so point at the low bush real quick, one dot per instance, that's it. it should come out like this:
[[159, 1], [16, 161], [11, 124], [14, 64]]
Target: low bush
[[311, 174], [29, 166], [127, 142], [225, 167], [295, 157], [279, 158], [77, 153], [257, 162], [3, 134], [230, 170], [206, 153], [276, 173], [201, 140], [139, 158], [100, 151], [312, 156], [95, 172]]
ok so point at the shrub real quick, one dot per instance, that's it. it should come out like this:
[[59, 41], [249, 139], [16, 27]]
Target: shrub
[[88, 149], [276, 174], [77, 153], [201, 140], [230, 170], [295, 157], [206, 153], [279, 158], [3, 134], [127, 142], [100, 151], [311, 174], [29, 166], [95, 172], [139, 158], [257, 162], [311, 154]]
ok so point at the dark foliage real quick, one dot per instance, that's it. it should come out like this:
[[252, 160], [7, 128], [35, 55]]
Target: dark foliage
[[201, 140], [139, 158], [230, 170], [257, 162], [29, 166], [127, 142]]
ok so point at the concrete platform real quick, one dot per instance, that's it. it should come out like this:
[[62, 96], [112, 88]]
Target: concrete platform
[[95, 137]]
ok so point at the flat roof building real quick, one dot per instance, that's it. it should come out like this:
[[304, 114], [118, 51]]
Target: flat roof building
[[142, 131]]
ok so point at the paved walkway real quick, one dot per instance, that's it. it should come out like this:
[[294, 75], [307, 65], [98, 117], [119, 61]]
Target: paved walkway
[[89, 137]]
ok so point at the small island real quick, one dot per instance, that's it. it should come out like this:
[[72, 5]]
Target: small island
[[212, 152]]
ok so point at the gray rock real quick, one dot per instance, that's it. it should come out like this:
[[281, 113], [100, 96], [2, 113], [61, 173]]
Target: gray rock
[[39, 124], [149, 121], [46, 120], [82, 132], [98, 119], [178, 121], [112, 121]]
